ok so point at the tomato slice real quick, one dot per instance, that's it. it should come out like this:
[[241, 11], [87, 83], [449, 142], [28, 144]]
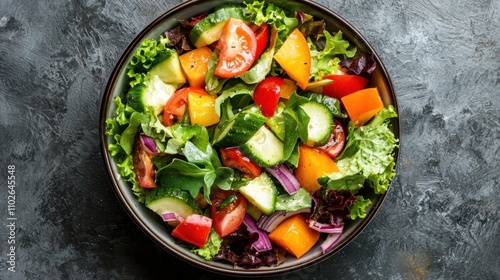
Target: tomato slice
[[143, 166], [336, 142], [267, 94], [176, 106], [343, 85], [262, 37], [227, 211], [234, 158], [194, 230], [238, 48]]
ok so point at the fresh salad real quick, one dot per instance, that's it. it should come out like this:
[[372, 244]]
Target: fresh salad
[[251, 132]]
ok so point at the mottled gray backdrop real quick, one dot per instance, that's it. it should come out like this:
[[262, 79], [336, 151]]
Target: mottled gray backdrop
[[440, 219]]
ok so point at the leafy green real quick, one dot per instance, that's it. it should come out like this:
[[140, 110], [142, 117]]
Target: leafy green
[[326, 61], [260, 12], [369, 153], [230, 92], [358, 209], [213, 84], [212, 246], [143, 59]]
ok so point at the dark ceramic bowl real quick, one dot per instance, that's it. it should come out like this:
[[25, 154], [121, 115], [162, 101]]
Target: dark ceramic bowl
[[150, 222]]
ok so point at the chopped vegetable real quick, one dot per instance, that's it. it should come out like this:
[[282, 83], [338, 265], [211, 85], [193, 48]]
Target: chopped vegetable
[[295, 58], [201, 108], [312, 166], [362, 105], [194, 230], [294, 235], [195, 65]]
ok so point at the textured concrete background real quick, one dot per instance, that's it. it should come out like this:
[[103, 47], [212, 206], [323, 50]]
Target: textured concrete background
[[440, 219]]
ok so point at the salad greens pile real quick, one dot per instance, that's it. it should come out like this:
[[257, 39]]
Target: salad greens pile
[[187, 165]]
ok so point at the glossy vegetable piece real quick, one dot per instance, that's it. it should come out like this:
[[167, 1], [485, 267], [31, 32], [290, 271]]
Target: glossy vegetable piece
[[228, 210], [233, 158], [294, 235], [295, 58], [143, 166], [175, 107], [195, 65], [194, 230], [201, 108], [343, 85], [313, 164], [267, 94], [262, 37], [362, 105], [288, 88], [336, 142], [238, 48]]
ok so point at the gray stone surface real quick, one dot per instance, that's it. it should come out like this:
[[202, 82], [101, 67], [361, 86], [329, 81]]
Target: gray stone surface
[[440, 219]]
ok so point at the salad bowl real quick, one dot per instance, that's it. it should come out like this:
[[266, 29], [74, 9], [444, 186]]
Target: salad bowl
[[149, 221]]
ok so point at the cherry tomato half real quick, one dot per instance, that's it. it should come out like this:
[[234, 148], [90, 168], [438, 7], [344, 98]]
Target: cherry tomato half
[[336, 142], [176, 106], [143, 166], [227, 211], [343, 85], [194, 230], [238, 47], [267, 94], [234, 158]]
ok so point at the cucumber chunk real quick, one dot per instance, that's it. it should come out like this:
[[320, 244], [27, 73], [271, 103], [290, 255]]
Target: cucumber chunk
[[153, 92], [239, 129], [168, 67], [209, 29], [261, 192], [320, 123], [171, 200], [263, 148]]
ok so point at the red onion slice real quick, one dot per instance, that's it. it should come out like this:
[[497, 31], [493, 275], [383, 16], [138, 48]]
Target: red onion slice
[[172, 218], [262, 243], [269, 223], [330, 241], [325, 228], [285, 177], [149, 144]]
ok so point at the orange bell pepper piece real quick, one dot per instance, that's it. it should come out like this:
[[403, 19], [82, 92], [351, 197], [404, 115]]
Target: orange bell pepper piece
[[295, 58], [362, 105], [294, 235], [313, 164], [194, 65]]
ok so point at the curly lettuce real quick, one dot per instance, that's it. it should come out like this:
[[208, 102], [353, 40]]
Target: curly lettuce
[[143, 59]]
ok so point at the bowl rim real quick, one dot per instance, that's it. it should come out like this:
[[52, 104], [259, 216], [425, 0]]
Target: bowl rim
[[107, 98]]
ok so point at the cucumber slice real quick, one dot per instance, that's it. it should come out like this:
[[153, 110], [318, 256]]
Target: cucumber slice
[[173, 200], [263, 148], [277, 122], [320, 123], [238, 130], [153, 92], [209, 29], [261, 192], [168, 67]]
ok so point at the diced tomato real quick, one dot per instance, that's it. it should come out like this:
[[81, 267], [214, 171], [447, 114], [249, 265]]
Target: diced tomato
[[336, 142], [238, 48], [262, 37], [194, 230], [234, 158], [143, 166], [176, 106], [343, 85], [267, 94], [228, 211]]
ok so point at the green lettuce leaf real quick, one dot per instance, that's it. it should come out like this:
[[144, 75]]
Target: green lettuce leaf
[[211, 248], [358, 209], [368, 152], [143, 59]]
